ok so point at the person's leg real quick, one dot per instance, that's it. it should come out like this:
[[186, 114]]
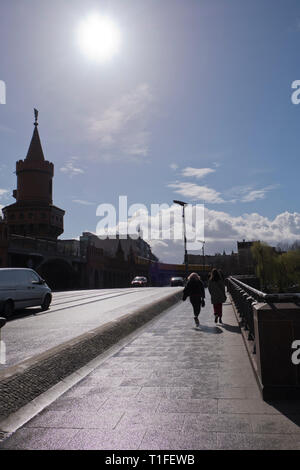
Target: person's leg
[[216, 312], [196, 307], [219, 312]]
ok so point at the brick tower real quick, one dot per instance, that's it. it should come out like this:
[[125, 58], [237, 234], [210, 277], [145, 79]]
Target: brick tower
[[33, 214]]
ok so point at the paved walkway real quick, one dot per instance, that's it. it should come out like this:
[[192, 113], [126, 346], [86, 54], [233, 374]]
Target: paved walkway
[[173, 387]]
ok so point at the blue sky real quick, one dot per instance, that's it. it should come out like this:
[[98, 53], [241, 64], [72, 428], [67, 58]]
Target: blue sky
[[196, 84]]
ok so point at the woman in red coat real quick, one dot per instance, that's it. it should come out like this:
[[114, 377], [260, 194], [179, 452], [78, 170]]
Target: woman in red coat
[[216, 289]]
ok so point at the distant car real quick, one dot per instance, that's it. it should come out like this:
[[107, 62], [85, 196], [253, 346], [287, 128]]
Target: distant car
[[177, 281], [139, 281], [21, 288]]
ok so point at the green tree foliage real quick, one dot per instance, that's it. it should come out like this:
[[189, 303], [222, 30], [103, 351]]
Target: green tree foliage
[[277, 272]]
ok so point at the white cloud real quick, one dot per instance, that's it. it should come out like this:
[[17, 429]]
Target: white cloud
[[197, 172], [3, 195], [3, 192], [253, 195], [197, 193], [248, 193], [121, 126], [70, 169], [257, 194], [220, 225], [174, 166], [222, 231], [82, 202]]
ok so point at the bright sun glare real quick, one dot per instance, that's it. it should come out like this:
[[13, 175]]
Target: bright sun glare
[[99, 37]]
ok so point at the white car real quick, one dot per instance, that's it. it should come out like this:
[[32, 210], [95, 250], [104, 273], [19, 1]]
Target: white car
[[21, 288], [139, 281]]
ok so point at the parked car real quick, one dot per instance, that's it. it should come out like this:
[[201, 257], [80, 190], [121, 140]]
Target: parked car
[[177, 281], [21, 288], [139, 281]]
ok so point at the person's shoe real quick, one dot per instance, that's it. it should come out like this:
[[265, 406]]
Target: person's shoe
[[196, 321], [216, 319], [220, 320]]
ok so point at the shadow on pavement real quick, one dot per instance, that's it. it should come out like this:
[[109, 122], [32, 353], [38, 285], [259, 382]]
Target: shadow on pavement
[[231, 328], [289, 408], [26, 312], [210, 329]]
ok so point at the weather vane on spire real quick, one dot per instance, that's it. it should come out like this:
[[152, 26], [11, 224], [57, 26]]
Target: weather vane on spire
[[36, 113]]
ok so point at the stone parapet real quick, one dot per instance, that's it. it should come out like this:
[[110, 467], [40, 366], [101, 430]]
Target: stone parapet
[[277, 327]]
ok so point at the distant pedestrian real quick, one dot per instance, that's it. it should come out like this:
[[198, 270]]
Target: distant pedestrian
[[195, 291], [216, 289]]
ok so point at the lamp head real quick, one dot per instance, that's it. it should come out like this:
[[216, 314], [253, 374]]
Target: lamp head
[[181, 203]]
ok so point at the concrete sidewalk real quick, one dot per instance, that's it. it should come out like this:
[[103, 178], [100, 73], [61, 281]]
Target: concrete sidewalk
[[172, 387], [26, 382]]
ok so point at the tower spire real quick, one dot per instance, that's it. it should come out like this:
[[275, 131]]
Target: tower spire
[[36, 113], [35, 151]]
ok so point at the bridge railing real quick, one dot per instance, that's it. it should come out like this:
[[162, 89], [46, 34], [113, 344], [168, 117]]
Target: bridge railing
[[246, 297], [273, 322], [19, 242]]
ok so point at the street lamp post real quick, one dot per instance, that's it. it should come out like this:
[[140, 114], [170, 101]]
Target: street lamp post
[[203, 255], [183, 204]]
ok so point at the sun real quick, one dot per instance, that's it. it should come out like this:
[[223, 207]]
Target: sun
[[99, 37]]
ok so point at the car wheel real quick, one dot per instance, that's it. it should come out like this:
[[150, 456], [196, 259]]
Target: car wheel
[[46, 303], [8, 308]]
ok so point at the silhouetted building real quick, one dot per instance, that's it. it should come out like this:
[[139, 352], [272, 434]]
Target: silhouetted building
[[246, 262], [33, 214], [231, 264], [128, 246]]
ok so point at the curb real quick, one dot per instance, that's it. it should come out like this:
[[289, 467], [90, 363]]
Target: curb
[[24, 382]]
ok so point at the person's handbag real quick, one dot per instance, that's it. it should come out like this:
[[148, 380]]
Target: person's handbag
[[203, 303]]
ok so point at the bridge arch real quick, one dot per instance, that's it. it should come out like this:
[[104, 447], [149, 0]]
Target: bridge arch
[[58, 273]]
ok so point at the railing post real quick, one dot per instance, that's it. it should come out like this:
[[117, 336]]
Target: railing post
[[275, 333]]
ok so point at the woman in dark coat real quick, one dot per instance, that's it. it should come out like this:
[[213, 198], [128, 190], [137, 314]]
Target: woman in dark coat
[[216, 289], [195, 291]]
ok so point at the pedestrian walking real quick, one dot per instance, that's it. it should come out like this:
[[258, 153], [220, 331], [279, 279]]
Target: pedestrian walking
[[216, 289], [194, 289]]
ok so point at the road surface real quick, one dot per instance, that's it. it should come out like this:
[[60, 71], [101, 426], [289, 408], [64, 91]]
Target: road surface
[[71, 314]]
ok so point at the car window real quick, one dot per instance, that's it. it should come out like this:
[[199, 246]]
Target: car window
[[21, 277], [32, 276], [7, 278], [25, 277]]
